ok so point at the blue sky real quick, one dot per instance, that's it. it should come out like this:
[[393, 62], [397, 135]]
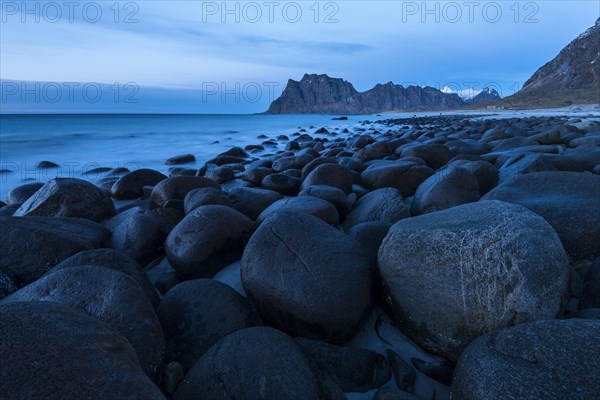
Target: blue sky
[[180, 54]]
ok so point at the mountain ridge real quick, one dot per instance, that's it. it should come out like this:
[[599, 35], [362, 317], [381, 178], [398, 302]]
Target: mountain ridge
[[322, 94]]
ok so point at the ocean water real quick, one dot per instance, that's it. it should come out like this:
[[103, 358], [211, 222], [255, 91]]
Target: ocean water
[[79, 143]]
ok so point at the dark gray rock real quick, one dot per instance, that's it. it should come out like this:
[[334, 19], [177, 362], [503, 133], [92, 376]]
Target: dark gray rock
[[51, 351], [220, 174], [22, 193], [31, 246], [110, 296], [385, 205], [285, 184], [255, 175], [403, 175], [205, 197], [448, 188], [335, 196], [142, 235], [292, 268], [526, 163], [554, 360], [131, 185], [435, 155], [331, 175], [353, 370], [291, 162], [68, 197], [115, 260], [486, 173], [252, 201], [370, 235], [207, 240], [303, 204], [196, 314], [567, 200], [177, 187], [253, 363], [490, 264], [181, 159]]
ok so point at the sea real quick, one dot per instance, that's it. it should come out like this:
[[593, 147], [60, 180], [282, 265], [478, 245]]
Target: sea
[[80, 143]]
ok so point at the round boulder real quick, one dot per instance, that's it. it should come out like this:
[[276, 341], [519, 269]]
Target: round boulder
[[282, 183], [308, 278], [303, 204], [177, 187], [22, 193], [131, 185], [435, 155], [31, 246], [206, 240], [198, 313], [447, 188], [567, 200], [331, 175], [142, 234], [385, 205], [110, 296], [68, 197], [405, 176], [489, 264], [115, 260], [254, 363], [205, 197], [252, 201], [51, 351], [335, 196], [552, 360]]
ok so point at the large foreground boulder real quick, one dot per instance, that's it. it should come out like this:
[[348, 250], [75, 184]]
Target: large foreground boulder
[[254, 363], [110, 296], [308, 278], [198, 313], [31, 246], [569, 201], [453, 275], [118, 261], [68, 197], [552, 360], [53, 352], [206, 240]]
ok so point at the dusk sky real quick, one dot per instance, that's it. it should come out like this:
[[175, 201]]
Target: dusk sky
[[188, 46]]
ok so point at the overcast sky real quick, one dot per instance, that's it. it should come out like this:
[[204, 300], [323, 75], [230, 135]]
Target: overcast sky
[[242, 46]]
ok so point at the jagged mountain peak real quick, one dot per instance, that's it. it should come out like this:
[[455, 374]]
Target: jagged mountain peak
[[322, 94]]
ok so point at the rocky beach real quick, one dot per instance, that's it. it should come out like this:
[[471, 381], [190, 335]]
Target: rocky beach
[[431, 257]]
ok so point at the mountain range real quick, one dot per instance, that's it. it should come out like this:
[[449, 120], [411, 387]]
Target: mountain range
[[321, 94], [572, 77]]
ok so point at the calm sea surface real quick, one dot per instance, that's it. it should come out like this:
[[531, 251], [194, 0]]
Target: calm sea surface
[[80, 143]]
